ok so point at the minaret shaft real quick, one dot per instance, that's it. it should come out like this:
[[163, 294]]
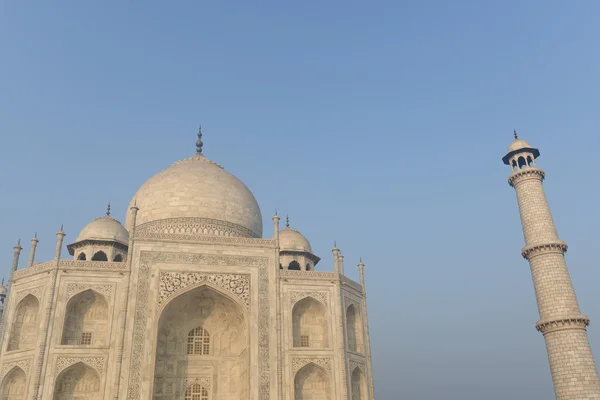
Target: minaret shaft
[[571, 361]]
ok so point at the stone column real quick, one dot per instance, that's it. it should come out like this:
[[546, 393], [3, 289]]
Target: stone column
[[41, 358], [336, 254], [561, 322], [34, 243], [123, 317], [366, 334]]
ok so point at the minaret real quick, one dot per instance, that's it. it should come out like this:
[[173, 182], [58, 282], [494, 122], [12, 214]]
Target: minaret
[[562, 324], [34, 243]]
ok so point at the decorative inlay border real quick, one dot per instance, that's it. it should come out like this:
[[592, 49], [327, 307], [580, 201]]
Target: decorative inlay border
[[201, 380], [96, 265], [307, 274], [193, 226], [298, 363], [354, 364], [175, 282], [34, 269], [141, 311], [526, 172], [76, 288], [63, 363], [24, 364], [322, 297], [532, 251], [350, 301], [580, 322], [35, 291]]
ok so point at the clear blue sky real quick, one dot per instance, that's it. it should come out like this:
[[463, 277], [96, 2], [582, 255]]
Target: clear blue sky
[[378, 124]]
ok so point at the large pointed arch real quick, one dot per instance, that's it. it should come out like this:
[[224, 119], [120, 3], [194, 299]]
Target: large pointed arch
[[201, 323], [354, 329], [78, 381], [86, 320], [23, 333], [14, 385], [310, 324], [312, 382], [358, 383]]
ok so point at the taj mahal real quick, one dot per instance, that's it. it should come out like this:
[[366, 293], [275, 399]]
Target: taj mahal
[[190, 299]]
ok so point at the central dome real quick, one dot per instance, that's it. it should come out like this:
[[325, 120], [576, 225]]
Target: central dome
[[198, 192]]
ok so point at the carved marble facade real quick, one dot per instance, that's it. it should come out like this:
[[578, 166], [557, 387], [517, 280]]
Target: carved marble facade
[[197, 308]]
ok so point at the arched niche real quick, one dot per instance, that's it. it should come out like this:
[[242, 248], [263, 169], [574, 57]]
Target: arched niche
[[79, 381], [86, 320], [310, 324], [294, 266], [25, 324], [118, 258], [312, 383], [197, 329], [100, 256], [354, 329], [358, 383], [81, 256], [14, 385]]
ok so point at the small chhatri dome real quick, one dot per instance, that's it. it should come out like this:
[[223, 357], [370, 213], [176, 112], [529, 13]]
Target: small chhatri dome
[[105, 229], [198, 193], [518, 146], [291, 239]]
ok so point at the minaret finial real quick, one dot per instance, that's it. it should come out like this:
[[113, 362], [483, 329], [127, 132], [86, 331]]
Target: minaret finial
[[61, 227], [35, 236], [199, 143], [19, 242], [287, 221], [108, 210], [516, 134]]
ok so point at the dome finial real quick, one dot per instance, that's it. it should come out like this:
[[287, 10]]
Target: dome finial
[[516, 134], [108, 210], [287, 221], [199, 143]]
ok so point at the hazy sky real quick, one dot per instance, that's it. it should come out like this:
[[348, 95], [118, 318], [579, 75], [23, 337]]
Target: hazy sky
[[377, 124]]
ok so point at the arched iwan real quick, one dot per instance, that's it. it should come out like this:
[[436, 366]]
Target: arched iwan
[[79, 381], [199, 326], [25, 324], [14, 385], [86, 320], [358, 383], [310, 324], [354, 329], [312, 383]]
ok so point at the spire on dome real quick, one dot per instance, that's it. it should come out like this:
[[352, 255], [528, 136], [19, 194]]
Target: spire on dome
[[199, 143], [108, 210], [516, 135], [287, 221]]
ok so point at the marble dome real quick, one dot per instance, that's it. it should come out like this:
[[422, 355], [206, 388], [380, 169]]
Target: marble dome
[[518, 144], [199, 191], [104, 228], [291, 239]]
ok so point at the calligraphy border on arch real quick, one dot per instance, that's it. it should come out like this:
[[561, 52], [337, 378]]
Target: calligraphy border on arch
[[24, 364], [173, 282], [141, 310]]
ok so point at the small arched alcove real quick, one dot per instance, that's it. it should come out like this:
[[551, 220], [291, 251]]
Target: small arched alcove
[[201, 327], [312, 383], [81, 256], [100, 256], [25, 324], [14, 385], [358, 383], [86, 320], [309, 324], [522, 162], [79, 381], [118, 258], [354, 329], [294, 266]]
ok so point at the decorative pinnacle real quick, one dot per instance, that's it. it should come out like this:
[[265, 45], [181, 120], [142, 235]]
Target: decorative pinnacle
[[335, 244], [19, 242], [199, 143], [61, 228], [287, 221], [35, 236], [108, 210], [516, 135]]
